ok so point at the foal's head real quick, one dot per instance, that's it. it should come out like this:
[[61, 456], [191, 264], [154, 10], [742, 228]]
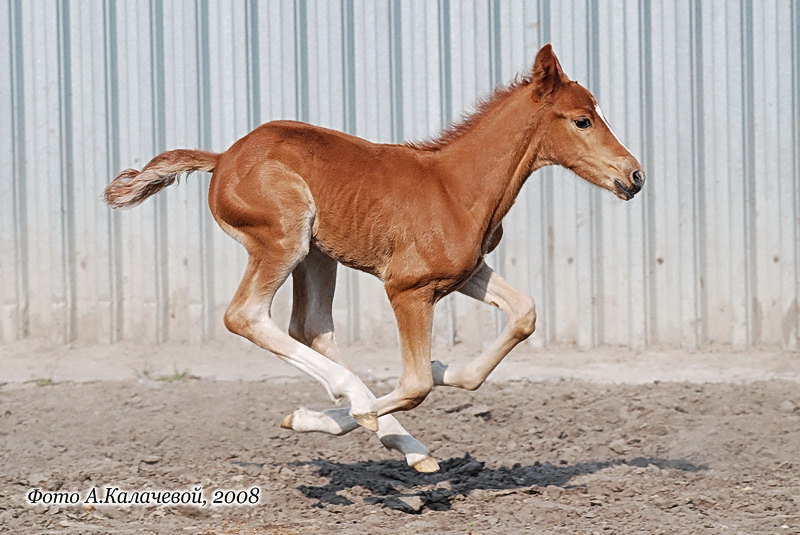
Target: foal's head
[[576, 134]]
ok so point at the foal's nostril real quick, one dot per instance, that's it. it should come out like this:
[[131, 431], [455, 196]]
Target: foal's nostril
[[638, 178]]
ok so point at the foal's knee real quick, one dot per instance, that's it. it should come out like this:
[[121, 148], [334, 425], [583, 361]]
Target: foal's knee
[[471, 382], [524, 323], [412, 395]]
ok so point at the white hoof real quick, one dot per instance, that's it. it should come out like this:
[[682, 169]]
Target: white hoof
[[286, 423], [426, 465], [367, 421]]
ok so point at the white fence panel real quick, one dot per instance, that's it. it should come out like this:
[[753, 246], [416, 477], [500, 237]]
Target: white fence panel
[[706, 93]]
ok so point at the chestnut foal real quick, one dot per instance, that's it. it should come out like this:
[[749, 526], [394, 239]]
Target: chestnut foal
[[421, 217]]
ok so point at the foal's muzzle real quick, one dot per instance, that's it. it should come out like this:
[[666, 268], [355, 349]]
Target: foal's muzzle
[[637, 179]]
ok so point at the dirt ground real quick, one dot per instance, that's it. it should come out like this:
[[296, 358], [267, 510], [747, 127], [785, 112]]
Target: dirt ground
[[517, 456]]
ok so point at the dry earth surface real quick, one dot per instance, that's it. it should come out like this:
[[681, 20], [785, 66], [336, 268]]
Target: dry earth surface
[[537, 450]]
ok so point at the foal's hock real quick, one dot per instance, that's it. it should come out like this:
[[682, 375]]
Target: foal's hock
[[419, 216]]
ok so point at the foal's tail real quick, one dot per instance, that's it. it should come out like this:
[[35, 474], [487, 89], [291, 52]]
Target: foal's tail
[[131, 187]]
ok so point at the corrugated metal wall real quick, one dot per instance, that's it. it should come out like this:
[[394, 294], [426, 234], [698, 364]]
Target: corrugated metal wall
[[706, 93]]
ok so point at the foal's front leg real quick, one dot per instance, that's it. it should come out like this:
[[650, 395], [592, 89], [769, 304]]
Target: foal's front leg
[[487, 286], [414, 312]]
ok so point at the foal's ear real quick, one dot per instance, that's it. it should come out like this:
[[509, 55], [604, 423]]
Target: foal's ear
[[547, 73]]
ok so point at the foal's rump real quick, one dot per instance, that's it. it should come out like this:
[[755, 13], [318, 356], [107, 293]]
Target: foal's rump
[[131, 187]]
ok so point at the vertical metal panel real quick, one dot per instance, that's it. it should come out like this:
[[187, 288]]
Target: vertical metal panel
[[16, 265], [707, 94], [545, 218], [699, 309], [110, 305], [790, 189], [721, 298]]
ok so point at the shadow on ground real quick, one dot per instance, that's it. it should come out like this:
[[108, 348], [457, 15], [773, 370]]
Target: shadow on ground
[[390, 483]]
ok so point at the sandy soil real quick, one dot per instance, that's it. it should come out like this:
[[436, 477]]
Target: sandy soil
[[561, 455], [238, 359]]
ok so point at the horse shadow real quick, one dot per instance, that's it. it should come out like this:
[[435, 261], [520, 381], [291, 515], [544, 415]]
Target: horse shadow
[[391, 483]]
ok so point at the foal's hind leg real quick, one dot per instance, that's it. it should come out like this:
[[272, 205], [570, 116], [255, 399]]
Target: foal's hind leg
[[487, 286], [313, 286], [314, 281], [277, 235]]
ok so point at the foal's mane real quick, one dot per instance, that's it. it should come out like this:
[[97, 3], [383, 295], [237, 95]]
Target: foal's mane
[[482, 108]]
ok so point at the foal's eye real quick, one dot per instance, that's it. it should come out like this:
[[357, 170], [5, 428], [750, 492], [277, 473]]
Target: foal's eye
[[583, 123]]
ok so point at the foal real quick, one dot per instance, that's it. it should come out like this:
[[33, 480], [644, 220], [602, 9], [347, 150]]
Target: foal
[[421, 217]]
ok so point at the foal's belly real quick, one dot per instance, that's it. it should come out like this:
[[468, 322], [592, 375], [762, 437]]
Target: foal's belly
[[364, 253]]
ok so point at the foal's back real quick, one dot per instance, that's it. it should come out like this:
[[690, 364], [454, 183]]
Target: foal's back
[[368, 198]]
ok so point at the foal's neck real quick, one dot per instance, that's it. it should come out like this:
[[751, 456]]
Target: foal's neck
[[488, 162]]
